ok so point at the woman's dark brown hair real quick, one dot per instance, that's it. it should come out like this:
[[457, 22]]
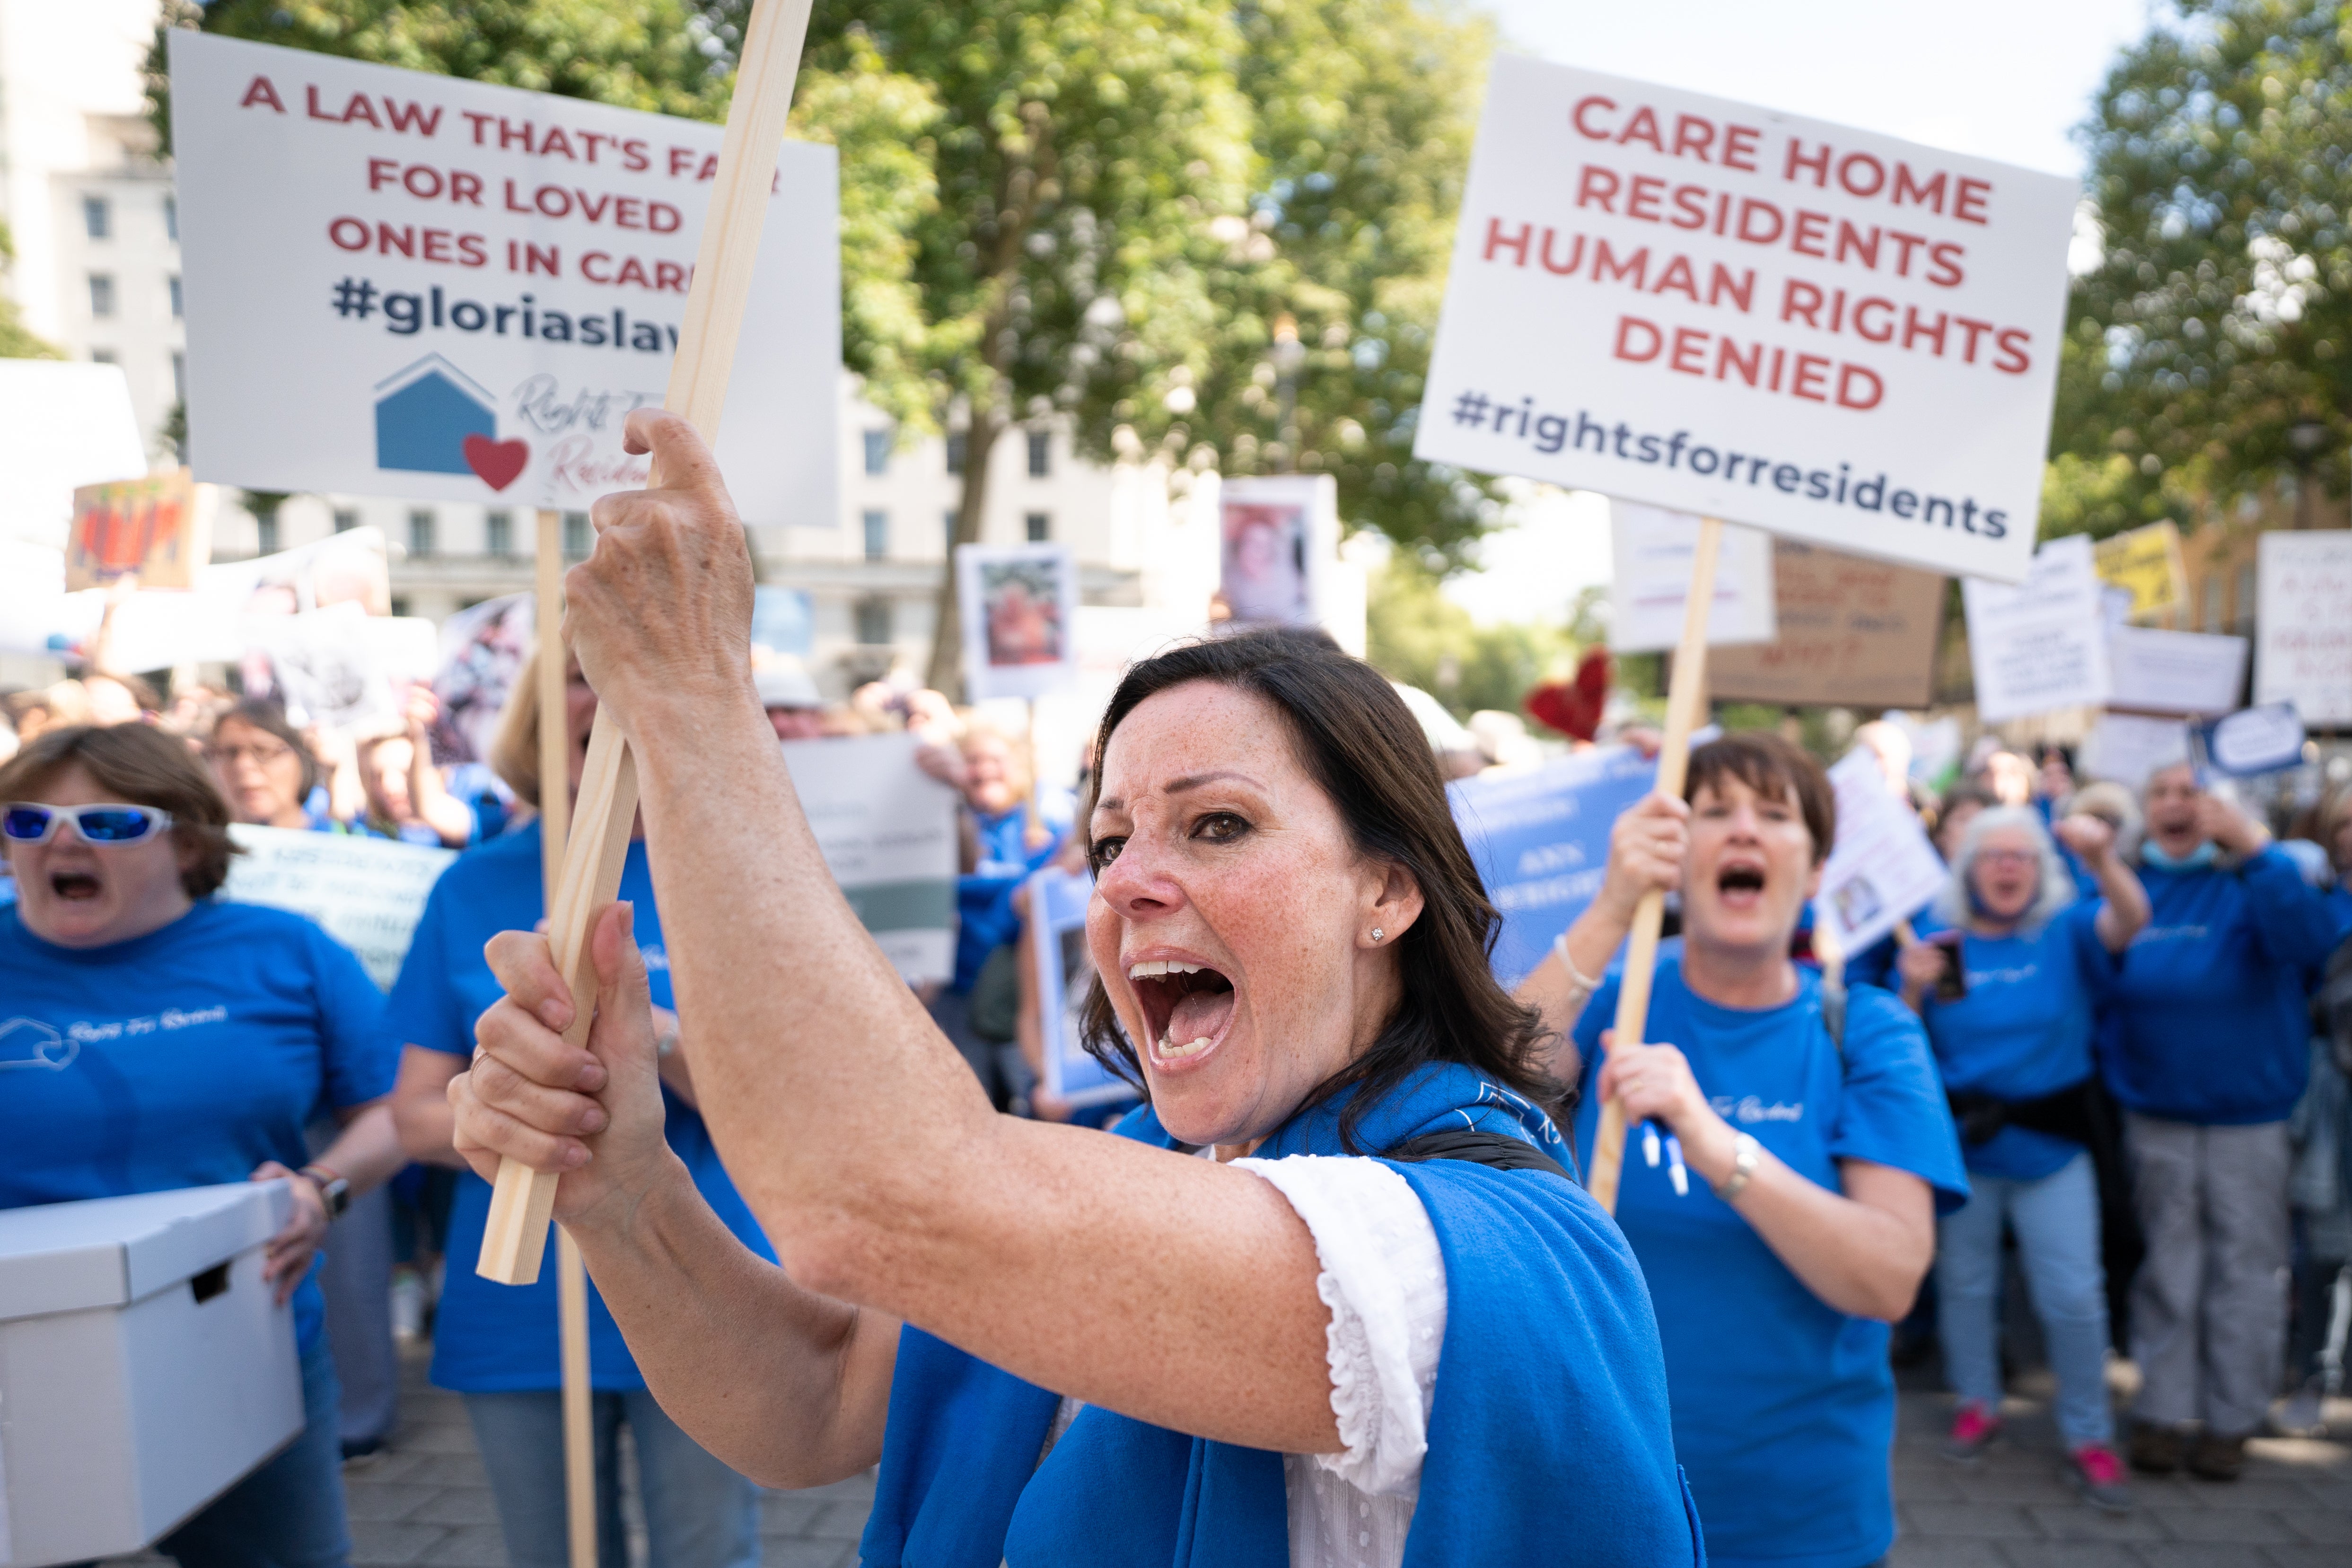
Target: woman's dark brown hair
[[261, 713], [1358, 740], [1775, 768], [137, 765]]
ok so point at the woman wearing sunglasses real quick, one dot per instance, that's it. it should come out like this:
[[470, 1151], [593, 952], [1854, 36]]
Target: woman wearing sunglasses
[[160, 1038]]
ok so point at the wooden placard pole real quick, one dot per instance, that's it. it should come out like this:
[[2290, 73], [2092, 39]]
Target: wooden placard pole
[[523, 1199], [1686, 696], [555, 821]]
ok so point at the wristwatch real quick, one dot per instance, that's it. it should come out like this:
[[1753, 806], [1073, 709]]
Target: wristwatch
[[1746, 1153], [334, 1190]]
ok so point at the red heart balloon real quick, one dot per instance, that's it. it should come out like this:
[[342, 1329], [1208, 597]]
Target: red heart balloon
[[498, 462]]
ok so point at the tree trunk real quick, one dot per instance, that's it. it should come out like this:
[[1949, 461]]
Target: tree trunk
[[946, 673]]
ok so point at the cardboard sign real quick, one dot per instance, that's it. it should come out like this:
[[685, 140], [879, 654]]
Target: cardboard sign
[[1851, 631], [367, 893], [1057, 913], [2044, 645], [482, 650], [2127, 747], [2146, 562], [410, 285], [1652, 550], [2303, 652], [1881, 869], [2251, 741], [158, 530], [1278, 539], [887, 832], [1707, 305], [1019, 604], [63, 424], [1541, 843], [2156, 671]]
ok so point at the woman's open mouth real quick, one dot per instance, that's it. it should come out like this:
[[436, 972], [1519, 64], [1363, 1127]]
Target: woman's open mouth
[[1188, 1007], [75, 886], [1739, 885]]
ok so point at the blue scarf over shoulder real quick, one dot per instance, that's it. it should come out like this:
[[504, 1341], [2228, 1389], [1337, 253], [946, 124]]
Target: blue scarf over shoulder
[[1548, 1436]]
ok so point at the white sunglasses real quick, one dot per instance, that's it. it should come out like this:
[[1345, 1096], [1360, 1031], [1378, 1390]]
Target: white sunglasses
[[103, 825]]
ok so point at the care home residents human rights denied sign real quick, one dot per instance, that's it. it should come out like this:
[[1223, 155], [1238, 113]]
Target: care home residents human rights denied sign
[[410, 285], [1717, 308]]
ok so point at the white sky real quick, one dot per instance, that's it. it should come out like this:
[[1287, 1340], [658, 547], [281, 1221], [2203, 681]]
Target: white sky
[[2001, 78]]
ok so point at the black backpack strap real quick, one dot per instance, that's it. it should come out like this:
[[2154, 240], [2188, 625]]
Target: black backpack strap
[[1498, 1150]]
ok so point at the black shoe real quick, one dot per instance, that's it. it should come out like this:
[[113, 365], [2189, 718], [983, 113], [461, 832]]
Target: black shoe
[[2218, 1459], [2156, 1451]]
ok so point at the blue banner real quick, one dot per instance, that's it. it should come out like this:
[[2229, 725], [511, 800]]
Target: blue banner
[[1541, 841]]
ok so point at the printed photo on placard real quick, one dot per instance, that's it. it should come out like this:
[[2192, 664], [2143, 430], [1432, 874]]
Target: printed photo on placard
[[1065, 973], [1265, 563], [1018, 604]]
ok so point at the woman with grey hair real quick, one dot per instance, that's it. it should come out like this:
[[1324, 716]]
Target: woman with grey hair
[[2004, 982]]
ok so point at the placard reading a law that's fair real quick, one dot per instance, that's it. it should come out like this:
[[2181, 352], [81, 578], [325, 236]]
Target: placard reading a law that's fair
[[887, 830], [1711, 306], [410, 285]]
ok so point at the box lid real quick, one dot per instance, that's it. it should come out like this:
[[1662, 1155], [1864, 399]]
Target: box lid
[[110, 1251]]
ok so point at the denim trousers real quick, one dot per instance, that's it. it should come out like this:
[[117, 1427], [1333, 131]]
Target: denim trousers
[[289, 1512], [698, 1513], [2057, 1223]]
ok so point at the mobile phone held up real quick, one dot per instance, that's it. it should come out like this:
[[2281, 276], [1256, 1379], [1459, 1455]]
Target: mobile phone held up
[[1952, 980]]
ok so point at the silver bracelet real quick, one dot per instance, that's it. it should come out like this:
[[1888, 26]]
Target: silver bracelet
[[1585, 983], [1746, 1153]]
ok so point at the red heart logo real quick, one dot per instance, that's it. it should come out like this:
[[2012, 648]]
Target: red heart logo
[[498, 462]]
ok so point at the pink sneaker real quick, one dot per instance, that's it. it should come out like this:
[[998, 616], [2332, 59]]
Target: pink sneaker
[[2098, 1475], [1973, 1429]]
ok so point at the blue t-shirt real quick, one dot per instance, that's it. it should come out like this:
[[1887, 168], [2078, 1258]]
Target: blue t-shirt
[[1783, 1407], [2022, 1030], [2208, 1020], [492, 1338], [985, 920], [182, 1058]]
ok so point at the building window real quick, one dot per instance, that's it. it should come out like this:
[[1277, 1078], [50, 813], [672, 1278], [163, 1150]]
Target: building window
[[171, 219], [346, 519], [101, 356], [97, 218], [102, 293], [877, 452], [497, 533], [878, 535], [401, 604], [1041, 527], [955, 451], [422, 526], [951, 532], [1041, 453], [176, 311], [576, 540], [265, 533], [874, 622], [179, 376]]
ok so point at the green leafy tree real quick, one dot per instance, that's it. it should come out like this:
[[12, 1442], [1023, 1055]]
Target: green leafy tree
[[18, 341], [2208, 351], [1413, 633]]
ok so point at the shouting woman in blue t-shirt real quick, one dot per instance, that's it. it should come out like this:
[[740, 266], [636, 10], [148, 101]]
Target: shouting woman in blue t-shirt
[[1826, 1158], [2007, 997]]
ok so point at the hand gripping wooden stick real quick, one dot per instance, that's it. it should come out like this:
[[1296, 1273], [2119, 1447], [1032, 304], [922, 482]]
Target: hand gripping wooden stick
[[1684, 698], [523, 1198]]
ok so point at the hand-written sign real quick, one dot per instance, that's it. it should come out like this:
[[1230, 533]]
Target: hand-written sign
[[1852, 632], [887, 832], [1653, 550], [2146, 561], [1541, 843], [2156, 671], [2042, 645], [157, 530], [368, 894], [2303, 636], [1714, 308], [413, 285]]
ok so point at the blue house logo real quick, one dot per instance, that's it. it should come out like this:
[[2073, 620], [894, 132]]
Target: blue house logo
[[424, 414]]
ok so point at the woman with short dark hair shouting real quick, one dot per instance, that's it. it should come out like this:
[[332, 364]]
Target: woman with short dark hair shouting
[[1325, 1301]]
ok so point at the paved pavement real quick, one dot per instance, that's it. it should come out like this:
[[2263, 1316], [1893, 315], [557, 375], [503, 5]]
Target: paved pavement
[[426, 1501]]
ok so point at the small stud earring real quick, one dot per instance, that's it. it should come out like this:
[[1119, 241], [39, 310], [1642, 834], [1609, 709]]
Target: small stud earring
[[1378, 933]]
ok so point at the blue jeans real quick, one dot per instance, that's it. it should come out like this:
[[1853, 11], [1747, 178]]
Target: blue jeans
[[698, 1513], [289, 1512], [2057, 1223]]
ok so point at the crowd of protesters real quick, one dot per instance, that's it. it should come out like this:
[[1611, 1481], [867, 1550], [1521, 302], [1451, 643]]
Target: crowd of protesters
[[2108, 1059]]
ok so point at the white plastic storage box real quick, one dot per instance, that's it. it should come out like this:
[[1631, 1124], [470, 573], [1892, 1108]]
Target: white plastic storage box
[[143, 1366]]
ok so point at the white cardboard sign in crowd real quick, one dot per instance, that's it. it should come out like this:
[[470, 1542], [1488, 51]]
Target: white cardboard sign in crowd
[[2127, 747], [1774, 320], [1652, 550], [2304, 652], [1882, 869], [413, 285], [2044, 644], [887, 832], [368, 894], [2175, 672], [1018, 605]]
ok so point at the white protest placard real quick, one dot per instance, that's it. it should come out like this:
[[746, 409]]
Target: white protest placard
[[1652, 550], [2303, 649], [1278, 545], [2174, 672], [1018, 604], [1065, 974], [368, 894], [1753, 316], [2251, 741], [63, 424], [1881, 869], [2043, 644], [413, 285], [887, 832], [2127, 747]]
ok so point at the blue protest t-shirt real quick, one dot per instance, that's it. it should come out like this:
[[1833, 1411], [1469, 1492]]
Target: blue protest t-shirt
[[2024, 1029], [491, 1338], [183, 1058], [2207, 1021], [1783, 1407], [984, 917]]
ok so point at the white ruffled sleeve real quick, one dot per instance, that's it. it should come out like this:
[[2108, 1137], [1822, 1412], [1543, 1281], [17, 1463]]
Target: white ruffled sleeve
[[1384, 1280]]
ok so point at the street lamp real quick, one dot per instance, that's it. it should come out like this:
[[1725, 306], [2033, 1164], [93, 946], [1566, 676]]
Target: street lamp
[[1288, 354], [2306, 437]]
